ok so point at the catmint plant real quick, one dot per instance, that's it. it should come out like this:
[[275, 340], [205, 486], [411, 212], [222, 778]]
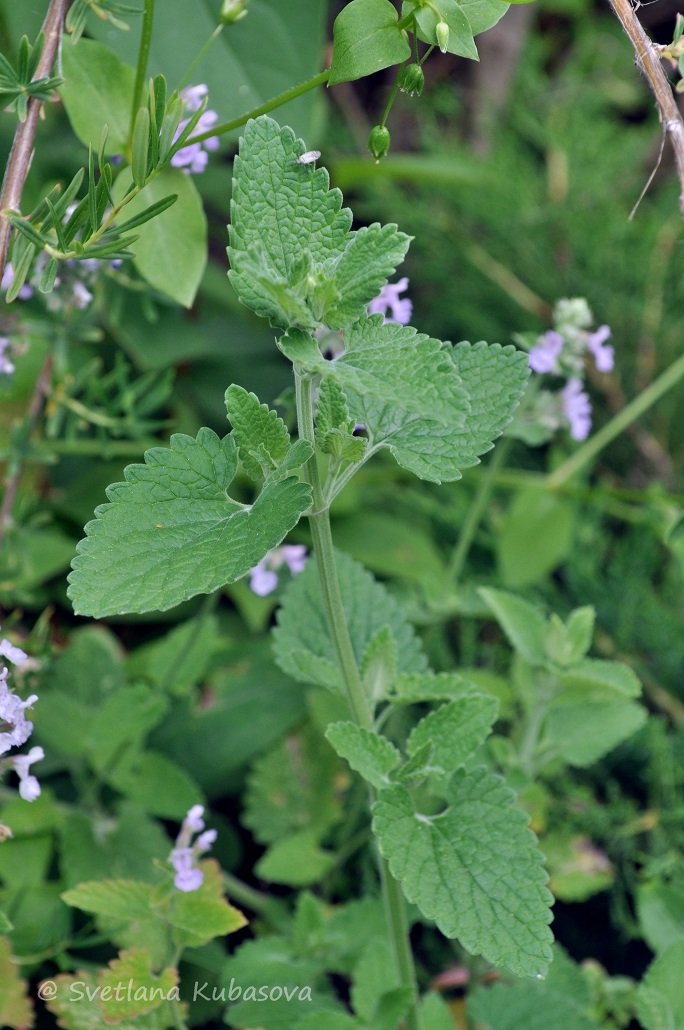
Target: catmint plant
[[172, 530], [15, 728]]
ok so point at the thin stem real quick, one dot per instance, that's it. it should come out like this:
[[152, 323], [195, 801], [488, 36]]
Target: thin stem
[[16, 463], [244, 894], [212, 38], [392, 94], [143, 55], [476, 511], [648, 58], [319, 521], [629, 414], [19, 159], [270, 105]]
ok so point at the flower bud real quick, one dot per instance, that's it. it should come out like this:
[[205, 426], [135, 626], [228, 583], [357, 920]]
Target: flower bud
[[379, 141], [442, 32], [412, 80], [232, 10]]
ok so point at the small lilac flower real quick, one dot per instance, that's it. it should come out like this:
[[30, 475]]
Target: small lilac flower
[[263, 578], [82, 296], [183, 856], [8, 278], [29, 788], [544, 357], [388, 298], [193, 159], [576, 408], [12, 653], [6, 366], [604, 356]]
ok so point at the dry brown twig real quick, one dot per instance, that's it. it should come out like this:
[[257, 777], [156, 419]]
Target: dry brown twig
[[649, 60]]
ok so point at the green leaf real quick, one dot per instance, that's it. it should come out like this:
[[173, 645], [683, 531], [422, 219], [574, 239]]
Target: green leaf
[[493, 379], [455, 730], [483, 14], [97, 91], [582, 728], [460, 40], [145, 991], [171, 531], [332, 411], [441, 686], [171, 251], [523, 623], [199, 916], [366, 39], [368, 753], [122, 721], [16, 1007], [374, 976], [121, 899], [660, 908], [158, 785], [302, 626], [660, 998], [610, 679], [262, 437], [293, 257], [536, 514], [475, 869], [180, 659], [379, 664], [434, 1010], [296, 861]]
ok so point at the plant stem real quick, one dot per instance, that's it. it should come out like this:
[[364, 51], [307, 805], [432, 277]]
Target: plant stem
[[143, 55], [660, 386], [212, 38], [392, 94], [649, 60], [476, 511], [20, 155], [244, 894], [319, 521], [270, 105]]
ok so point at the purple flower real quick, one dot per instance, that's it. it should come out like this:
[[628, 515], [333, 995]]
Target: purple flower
[[8, 278], [604, 356], [29, 788], [12, 653], [263, 578], [388, 299], [544, 357], [576, 408], [193, 158], [184, 855]]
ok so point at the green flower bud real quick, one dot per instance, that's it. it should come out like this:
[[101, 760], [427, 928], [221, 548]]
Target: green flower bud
[[379, 141], [442, 31], [232, 10], [412, 80]]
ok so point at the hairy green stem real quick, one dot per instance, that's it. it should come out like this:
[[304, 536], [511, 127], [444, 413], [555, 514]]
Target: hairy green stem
[[629, 414], [270, 105], [476, 511], [143, 55], [244, 894], [319, 521]]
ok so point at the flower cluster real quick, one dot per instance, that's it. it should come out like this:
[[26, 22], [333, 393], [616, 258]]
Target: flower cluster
[[562, 352], [70, 291], [193, 158], [185, 854], [17, 729], [263, 578]]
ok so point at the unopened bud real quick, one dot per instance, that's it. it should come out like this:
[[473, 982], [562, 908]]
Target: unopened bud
[[232, 11], [412, 80], [379, 141], [442, 31]]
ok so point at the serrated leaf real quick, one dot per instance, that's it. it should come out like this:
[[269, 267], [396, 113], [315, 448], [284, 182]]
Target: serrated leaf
[[389, 364], [144, 991], [343, 446], [374, 975], [296, 861], [455, 730], [332, 411], [493, 379], [171, 531], [302, 625], [122, 899], [256, 427], [158, 785], [602, 677], [198, 918], [523, 623], [660, 997], [293, 257], [16, 1007], [582, 728], [475, 869], [366, 38], [368, 753], [430, 686]]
